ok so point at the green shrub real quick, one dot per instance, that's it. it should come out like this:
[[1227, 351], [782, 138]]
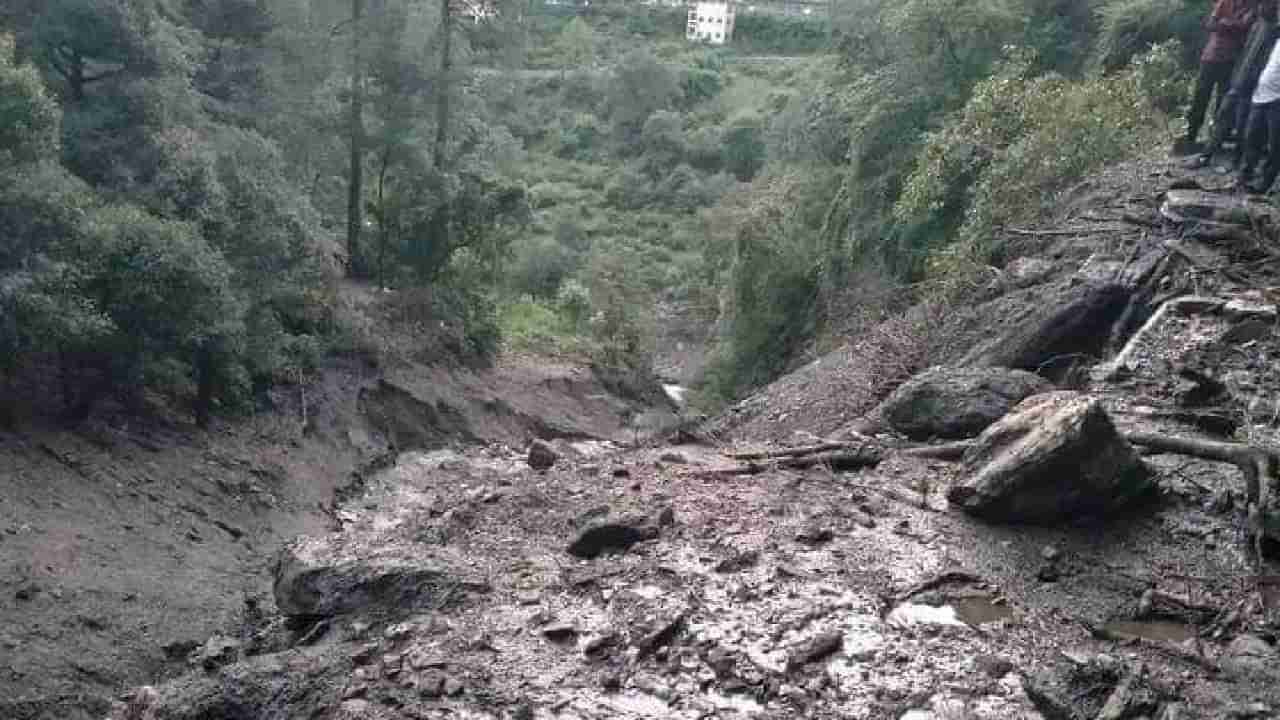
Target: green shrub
[[1131, 27], [1020, 139]]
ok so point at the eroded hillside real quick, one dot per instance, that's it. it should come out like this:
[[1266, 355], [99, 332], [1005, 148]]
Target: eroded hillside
[[812, 555]]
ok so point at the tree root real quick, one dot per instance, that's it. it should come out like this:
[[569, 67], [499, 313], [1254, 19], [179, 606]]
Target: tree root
[[1259, 465]]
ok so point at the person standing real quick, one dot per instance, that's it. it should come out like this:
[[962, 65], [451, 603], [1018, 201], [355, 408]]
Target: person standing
[[1263, 128], [1228, 27], [1233, 112]]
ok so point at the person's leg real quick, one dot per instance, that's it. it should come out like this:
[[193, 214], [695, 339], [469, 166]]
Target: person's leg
[[1272, 166], [1200, 101], [1224, 124], [1254, 138]]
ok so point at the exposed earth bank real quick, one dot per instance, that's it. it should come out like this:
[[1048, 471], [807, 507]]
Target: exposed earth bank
[[126, 544]]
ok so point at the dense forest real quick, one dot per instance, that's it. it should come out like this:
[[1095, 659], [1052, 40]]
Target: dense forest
[[199, 198]]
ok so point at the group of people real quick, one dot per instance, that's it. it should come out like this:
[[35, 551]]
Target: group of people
[[1240, 65]]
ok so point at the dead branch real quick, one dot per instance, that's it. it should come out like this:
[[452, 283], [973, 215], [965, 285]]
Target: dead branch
[[844, 460], [948, 577], [1057, 233], [946, 451], [797, 451]]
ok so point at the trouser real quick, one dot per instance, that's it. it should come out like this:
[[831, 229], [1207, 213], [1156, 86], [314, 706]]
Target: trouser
[[1263, 132], [1213, 76]]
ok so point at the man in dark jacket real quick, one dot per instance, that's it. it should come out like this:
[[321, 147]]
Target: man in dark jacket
[[1228, 27], [1233, 112]]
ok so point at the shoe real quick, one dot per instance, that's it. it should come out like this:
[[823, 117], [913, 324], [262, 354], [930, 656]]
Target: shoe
[[1198, 161], [1184, 146]]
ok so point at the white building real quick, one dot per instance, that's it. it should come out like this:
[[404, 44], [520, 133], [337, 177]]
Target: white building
[[711, 21]]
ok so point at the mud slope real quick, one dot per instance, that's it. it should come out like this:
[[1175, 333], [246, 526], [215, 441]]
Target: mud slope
[[126, 544]]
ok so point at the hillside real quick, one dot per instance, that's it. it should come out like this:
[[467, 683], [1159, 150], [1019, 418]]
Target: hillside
[[682, 582]]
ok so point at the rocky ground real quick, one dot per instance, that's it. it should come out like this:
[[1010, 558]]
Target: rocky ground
[[1056, 525], [127, 543]]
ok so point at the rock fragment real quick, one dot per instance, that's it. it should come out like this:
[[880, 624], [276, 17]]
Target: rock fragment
[[612, 536], [815, 649], [338, 574], [541, 455], [953, 402], [1056, 457]]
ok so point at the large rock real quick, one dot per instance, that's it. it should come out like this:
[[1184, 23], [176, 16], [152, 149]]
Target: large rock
[[1055, 457], [1062, 331], [541, 455], [953, 402], [1250, 655], [341, 574]]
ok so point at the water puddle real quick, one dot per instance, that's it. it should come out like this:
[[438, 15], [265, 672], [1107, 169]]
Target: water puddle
[[964, 612], [911, 614], [594, 449], [744, 704], [676, 393], [1161, 630]]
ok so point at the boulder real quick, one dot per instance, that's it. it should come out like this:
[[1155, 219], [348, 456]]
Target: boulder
[[613, 536], [1250, 655], [954, 402], [541, 455], [1200, 206], [344, 573], [1065, 328], [1055, 457]]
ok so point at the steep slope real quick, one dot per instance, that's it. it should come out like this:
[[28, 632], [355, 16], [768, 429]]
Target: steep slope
[[127, 543], [697, 581]]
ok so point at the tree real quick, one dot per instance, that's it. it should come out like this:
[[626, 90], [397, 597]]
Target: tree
[[576, 45], [641, 86], [30, 120], [89, 41], [744, 148], [355, 136]]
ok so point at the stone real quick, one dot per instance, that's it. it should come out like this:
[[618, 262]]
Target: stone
[[560, 633], [1196, 305], [1247, 331], [541, 455], [218, 651], [1054, 458], [954, 402], [1241, 310], [739, 561], [1250, 655], [1199, 206], [815, 649], [345, 572], [994, 666], [613, 536], [815, 534], [675, 458], [1057, 331]]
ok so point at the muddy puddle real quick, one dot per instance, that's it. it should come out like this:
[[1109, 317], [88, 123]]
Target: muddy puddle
[[961, 612], [1160, 630]]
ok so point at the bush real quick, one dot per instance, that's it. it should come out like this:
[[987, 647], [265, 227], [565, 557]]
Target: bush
[[1020, 139], [1132, 27], [744, 147]]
